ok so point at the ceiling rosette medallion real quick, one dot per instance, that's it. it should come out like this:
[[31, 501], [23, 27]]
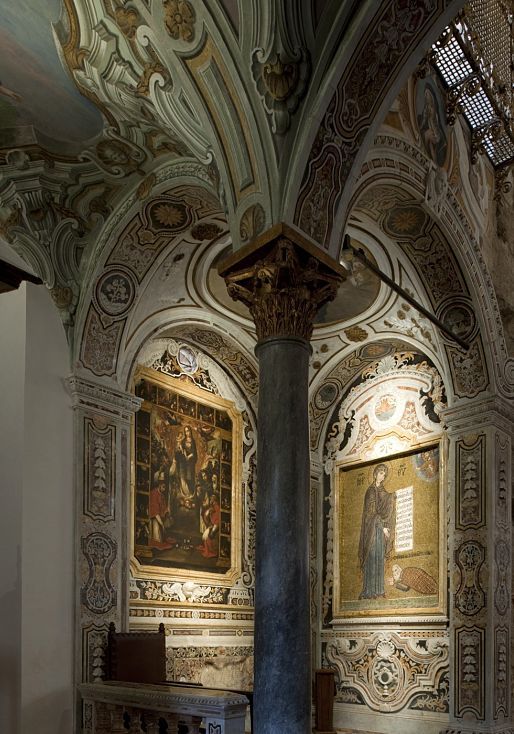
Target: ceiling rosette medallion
[[281, 66]]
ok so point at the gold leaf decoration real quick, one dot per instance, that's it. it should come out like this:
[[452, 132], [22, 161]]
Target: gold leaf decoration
[[179, 18], [280, 79], [127, 21]]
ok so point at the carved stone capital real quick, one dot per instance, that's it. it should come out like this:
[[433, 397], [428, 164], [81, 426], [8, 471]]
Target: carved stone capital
[[284, 280]]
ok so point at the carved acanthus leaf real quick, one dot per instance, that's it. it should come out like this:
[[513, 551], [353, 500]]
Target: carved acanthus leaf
[[281, 66]]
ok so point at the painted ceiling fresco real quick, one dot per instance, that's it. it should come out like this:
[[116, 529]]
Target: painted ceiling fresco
[[38, 100]]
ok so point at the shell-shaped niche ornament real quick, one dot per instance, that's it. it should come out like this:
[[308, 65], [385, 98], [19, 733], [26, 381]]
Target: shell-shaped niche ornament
[[280, 78]]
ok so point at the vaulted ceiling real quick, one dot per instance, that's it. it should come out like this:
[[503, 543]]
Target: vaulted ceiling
[[268, 105]]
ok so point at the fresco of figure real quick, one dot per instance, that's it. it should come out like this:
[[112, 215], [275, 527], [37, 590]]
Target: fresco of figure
[[377, 534]]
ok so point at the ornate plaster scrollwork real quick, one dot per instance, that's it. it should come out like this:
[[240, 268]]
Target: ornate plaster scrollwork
[[252, 222], [281, 66], [386, 669], [37, 219]]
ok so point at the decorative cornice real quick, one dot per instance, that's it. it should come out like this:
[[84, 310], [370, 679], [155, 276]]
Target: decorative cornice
[[284, 280], [485, 411], [91, 395]]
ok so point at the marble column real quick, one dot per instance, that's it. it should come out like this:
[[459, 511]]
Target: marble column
[[480, 551], [284, 280]]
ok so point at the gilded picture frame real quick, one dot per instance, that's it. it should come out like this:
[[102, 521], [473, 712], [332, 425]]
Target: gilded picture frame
[[186, 483], [389, 535]]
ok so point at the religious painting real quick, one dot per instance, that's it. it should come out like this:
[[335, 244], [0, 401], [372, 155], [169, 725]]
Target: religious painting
[[431, 117], [389, 543], [187, 485], [36, 91]]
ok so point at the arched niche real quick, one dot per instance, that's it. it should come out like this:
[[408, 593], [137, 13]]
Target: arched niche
[[388, 414]]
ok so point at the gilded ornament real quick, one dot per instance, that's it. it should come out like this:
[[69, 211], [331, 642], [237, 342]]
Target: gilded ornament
[[145, 187], [168, 215], [179, 18], [116, 157], [356, 334], [284, 290], [127, 21], [62, 296], [280, 78], [206, 231], [143, 86]]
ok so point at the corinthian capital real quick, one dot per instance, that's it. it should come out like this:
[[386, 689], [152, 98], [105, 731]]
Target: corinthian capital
[[284, 280]]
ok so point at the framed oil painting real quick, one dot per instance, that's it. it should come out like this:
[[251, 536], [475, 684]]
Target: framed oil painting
[[186, 507], [389, 550]]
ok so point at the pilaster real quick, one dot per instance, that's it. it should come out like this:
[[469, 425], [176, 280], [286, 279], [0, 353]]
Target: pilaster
[[102, 426], [480, 551]]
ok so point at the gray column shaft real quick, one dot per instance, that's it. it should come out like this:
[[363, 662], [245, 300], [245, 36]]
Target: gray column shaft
[[282, 689]]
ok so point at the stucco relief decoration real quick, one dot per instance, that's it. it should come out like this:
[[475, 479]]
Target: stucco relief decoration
[[341, 376], [98, 594], [252, 222], [470, 483], [94, 646], [188, 592], [117, 156], [281, 67], [100, 344], [393, 31], [226, 352], [179, 19], [213, 666], [502, 493], [459, 316], [501, 664], [168, 215], [470, 671], [502, 567], [469, 370], [206, 231], [127, 20], [115, 291], [381, 401], [180, 360], [470, 597], [99, 471], [387, 671]]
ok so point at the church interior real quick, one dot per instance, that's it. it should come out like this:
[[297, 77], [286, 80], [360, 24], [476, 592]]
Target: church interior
[[257, 365]]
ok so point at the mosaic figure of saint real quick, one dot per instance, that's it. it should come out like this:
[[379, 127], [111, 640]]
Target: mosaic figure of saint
[[377, 534]]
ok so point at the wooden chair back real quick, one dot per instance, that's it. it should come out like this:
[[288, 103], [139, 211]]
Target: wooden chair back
[[136, 657]]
